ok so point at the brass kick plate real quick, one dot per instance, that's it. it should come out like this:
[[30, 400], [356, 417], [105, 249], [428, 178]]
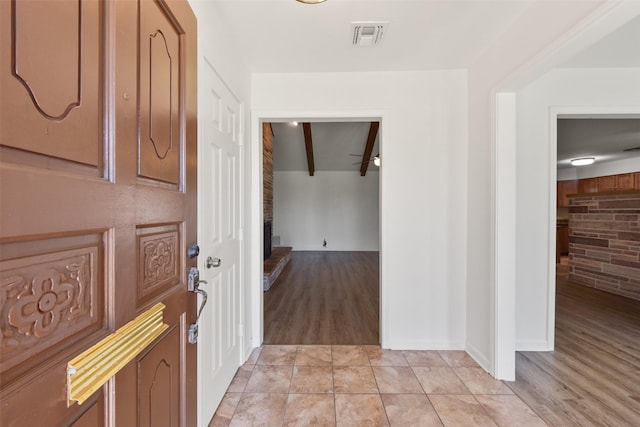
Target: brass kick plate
[[90, 370]]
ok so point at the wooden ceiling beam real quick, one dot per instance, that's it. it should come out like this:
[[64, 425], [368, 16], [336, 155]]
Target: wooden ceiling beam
[[308, 143], [368, 149]]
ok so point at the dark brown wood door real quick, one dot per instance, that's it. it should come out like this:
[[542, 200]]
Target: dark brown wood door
[[98, 205]]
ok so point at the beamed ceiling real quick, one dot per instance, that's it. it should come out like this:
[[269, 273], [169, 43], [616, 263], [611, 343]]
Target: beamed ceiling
[[336, 146]]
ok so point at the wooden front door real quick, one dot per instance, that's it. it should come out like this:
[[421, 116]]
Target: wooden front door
[[98, 205]]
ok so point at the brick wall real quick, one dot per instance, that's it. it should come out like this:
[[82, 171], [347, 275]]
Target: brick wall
[[267, 174], [604, 242]]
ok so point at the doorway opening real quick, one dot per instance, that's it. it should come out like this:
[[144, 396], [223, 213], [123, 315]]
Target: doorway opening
[[595, 318], [597, 166], [588, 247], [321, 232]]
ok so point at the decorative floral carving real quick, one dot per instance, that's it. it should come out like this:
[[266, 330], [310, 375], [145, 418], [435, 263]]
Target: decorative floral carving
[[38, 310], [76, 273], [38, 299], [44, 300], [159, 260]]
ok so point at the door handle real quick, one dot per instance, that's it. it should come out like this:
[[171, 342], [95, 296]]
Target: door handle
[[194, 286], [212, 262]]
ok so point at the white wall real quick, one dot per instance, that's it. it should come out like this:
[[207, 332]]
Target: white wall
[[595, 90], [341, 207], [422, 186], [567, 174], [519, 54]]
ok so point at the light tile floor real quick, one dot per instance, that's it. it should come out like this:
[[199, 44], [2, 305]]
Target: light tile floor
[[288, 385]]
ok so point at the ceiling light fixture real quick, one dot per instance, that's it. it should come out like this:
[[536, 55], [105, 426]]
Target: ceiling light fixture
[[583, 161], [310, 1]]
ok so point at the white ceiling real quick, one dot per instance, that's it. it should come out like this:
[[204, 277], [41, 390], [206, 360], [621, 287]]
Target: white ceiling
[[287, 36], [620, 49], [604, 139]]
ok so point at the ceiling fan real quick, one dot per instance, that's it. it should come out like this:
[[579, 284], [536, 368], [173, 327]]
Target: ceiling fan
[[375, 159]]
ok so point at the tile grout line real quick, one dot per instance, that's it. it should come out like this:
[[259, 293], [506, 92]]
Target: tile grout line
[[423, 390], [384, 408], [523, 401], [460, 379], [333, 389], [245, 386], [474, 397], [286, 403]]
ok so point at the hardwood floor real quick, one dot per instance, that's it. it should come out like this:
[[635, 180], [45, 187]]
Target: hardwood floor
[[593, 376], [324, 298]]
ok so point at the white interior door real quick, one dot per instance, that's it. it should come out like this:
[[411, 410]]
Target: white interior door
[[219, 237]]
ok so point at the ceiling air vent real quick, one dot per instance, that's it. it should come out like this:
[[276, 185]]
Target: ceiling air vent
[[368, 33]]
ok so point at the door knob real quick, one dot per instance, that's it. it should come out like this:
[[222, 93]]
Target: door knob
[[213, 262]]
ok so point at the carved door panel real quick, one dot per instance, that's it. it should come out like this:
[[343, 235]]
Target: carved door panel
[[98, 204]]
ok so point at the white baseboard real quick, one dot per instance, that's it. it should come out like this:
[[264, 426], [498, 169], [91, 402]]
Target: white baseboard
[[424, 345], [476, 355], [247, 353]]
